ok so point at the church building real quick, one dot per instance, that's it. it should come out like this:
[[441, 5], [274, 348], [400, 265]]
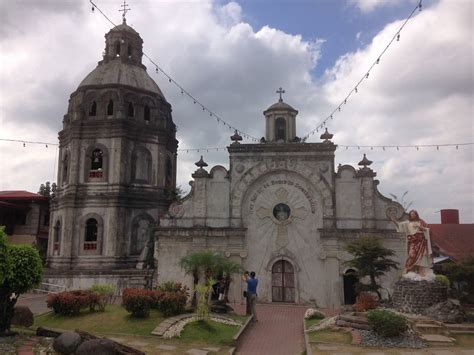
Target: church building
[[284, 211], [281, 209], [117, 164]]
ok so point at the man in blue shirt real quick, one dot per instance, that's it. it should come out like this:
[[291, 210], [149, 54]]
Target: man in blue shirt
[[252, 283]]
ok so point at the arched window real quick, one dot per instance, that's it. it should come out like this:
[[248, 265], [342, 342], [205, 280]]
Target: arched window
[[131, 110], [110, 108], [139, 236], [129, 51], [280, 129], [117, 49], [65, 167], [90, 237], [56, 238], [93, 109], [169, 172], [96, 161], [146, 113], [141, 166]]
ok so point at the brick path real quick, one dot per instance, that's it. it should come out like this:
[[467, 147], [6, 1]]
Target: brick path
[[279, 330]]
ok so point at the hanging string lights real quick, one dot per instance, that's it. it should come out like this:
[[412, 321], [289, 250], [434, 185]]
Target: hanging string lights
[[355, 89]]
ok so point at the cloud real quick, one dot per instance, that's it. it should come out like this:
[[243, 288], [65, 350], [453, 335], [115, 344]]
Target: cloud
[[420, 93], [368, 6]]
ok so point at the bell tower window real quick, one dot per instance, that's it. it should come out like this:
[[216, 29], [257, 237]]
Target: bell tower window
[[110, 108], [117, 49], [146, 113], [93, 109], [169, 172], [56, 238], [90, 238], [280, 129], [129, 51], [65, 166], [131, 110], [96, 164]]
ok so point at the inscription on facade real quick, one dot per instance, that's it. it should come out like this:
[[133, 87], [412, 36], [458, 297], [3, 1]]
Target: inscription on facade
[[271, 183]]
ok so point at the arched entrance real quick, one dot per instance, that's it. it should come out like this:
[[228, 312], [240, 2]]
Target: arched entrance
[[283, 282], [350, 280]]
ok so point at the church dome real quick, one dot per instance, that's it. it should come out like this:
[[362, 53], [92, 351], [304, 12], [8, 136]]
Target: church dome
[[117, 72], [280, 106], [122, 62]]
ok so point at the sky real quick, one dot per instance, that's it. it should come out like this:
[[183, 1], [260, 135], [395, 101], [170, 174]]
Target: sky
[[233, 56]]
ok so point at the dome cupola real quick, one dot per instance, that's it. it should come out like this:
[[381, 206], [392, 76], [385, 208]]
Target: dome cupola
[[280, 121]]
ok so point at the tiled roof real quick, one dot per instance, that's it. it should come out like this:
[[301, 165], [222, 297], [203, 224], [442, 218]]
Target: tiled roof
[[21, 195], [454, 240]]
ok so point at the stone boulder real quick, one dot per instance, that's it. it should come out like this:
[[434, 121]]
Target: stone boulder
[[99, 347], [67, 343], [22, 316], [449, 311]]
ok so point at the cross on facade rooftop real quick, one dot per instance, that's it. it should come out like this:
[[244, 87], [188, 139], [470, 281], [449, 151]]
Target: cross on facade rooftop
[[124, 10], [280, 91]]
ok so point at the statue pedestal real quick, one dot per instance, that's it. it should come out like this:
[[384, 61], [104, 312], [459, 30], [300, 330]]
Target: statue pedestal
[[416, 296]]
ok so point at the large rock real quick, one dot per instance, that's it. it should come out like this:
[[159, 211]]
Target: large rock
[[22, 316], [449, 311], [67, 343], [99, 347]]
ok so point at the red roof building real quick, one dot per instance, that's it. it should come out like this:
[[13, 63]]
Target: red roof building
[[451, 238], [25, 216]]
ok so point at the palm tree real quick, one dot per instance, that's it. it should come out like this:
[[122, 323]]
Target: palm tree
[[206, 265]]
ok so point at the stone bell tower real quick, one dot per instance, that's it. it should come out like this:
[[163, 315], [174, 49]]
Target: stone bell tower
[[117, 160], [280, 121]]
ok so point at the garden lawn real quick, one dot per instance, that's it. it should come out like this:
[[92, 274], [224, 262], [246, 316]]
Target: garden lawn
[[115, 320], [330, 336], [212, 332], [310, 322]]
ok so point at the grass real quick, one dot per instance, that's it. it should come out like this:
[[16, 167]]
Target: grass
[[212, 332], [464, 340], [310, 322], [330, 336], [114, 320]]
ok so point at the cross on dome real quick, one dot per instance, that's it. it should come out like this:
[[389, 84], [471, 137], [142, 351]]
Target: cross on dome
[[124, 9], [280, 91]]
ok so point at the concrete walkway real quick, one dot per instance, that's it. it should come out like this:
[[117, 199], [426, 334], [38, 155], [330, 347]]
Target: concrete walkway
[[279, 331]]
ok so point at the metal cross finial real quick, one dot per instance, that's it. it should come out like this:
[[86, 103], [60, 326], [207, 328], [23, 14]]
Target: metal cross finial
[[280, 91], [124, 10]]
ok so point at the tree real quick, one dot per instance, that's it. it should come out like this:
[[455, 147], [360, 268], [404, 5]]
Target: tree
[[461, 275], [206, 265], [20, 270], [371, 259]]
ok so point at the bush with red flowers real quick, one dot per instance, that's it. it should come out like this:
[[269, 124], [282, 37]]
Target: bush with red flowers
[[71, 302]]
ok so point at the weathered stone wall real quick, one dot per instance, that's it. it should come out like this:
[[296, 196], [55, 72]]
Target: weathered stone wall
[[416, 296]]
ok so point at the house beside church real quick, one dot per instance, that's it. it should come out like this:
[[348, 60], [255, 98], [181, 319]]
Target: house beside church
[[283, 210]]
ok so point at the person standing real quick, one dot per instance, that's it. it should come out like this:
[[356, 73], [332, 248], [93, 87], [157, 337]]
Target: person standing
[[252, 283]]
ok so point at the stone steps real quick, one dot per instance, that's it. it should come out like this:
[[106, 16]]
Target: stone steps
[[351, 321], [460, 328], [423, 328]]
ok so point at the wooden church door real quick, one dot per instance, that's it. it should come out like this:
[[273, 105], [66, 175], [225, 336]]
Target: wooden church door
[[283, 282]]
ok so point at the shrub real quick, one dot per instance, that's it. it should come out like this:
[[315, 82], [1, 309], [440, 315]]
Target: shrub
[[71, 302], [173, 298], [104, 295], [364, 302], [386, 323], [172, 303], [442, 279], [137, 301]]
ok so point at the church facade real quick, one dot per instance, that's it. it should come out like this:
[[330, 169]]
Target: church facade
[[283, 210], [117, 162]]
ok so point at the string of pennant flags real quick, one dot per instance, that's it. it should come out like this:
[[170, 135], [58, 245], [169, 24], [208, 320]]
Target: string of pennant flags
[[395, 38], [365, 76], [181, 89], [340, 146]]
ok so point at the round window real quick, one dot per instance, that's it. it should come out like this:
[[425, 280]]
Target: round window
[[281, 212]]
